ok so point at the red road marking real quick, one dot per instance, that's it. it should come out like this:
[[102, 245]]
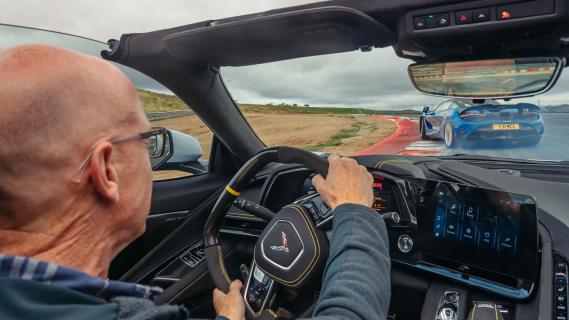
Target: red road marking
[[407, 132]]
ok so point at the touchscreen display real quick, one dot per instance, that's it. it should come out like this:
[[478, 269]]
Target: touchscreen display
[[484, 228], [486, 219]]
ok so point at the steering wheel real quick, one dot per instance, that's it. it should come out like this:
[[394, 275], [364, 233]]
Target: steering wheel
[[290, 250]]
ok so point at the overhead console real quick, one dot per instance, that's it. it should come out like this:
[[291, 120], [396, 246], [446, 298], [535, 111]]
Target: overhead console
[[499, 13], [490, 28]]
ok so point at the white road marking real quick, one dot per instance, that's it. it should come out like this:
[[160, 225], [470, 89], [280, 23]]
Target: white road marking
[[422, 145]]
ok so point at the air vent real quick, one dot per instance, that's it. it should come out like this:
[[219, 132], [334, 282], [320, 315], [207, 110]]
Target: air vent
[[516, 173], [559, 287]]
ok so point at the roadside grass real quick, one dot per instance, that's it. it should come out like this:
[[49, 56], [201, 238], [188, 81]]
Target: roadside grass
[[339, 138], [160, 102]]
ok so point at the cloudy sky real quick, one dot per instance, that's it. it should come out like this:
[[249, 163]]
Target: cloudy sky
[[377, 79]]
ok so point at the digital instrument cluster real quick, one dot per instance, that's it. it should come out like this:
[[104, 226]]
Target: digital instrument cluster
[[384, 195]]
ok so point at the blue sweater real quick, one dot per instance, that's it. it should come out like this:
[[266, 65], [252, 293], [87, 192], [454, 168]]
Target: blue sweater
[[356, 282]]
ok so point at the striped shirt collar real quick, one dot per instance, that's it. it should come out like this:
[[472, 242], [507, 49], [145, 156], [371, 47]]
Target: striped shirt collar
[[53, 274]]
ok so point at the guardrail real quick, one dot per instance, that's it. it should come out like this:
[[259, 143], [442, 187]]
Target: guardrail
[[166, 115]]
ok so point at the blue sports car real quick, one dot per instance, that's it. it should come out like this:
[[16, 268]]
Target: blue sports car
[[460, 120]]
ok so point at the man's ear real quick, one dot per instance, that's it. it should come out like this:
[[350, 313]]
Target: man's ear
[[103, 173]]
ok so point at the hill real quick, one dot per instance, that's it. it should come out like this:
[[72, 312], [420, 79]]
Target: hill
[[159, 102]]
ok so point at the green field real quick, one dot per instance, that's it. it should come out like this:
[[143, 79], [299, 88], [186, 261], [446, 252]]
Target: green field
[[159, 102]]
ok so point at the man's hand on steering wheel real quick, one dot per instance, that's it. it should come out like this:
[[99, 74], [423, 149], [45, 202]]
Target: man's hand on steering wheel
[[347, 182], [230, 305]]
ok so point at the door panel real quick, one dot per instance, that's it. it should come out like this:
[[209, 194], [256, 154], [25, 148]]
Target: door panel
[[172, 202]]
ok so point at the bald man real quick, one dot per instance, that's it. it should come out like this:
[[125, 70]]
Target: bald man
[[75, 189], [71, 196]]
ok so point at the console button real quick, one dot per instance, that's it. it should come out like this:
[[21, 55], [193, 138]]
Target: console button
[[420, 23], [464, 17], [471, 211], [507, 241], [486, 237], [438, 229], [454, 208], [324, 210], [258, 275], [451, 228], [504, 14], [481, 15], [443, 20], [469, 232], [431, 22], [405, 243], [524, 9], [312, 210]]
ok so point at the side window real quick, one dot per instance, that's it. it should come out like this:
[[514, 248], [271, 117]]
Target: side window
[[187, 152]]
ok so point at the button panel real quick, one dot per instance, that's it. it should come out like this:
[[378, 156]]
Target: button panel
[[193, 256], [318, 209], [257, 290], [497, 13], [560, 274]]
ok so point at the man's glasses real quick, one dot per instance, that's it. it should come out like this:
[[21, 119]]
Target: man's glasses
[[156, 144]]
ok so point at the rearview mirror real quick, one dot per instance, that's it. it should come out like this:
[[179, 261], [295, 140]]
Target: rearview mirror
[[500, 78]]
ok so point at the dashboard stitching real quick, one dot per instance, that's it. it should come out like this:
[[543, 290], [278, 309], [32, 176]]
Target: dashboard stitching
[[188, 287], [381, 163], [244, 173], [221, 264]]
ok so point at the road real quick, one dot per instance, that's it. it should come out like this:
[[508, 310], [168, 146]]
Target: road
[[554, 144]]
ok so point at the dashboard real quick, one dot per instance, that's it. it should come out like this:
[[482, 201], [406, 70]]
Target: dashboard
[[482, 237], [487, 241]]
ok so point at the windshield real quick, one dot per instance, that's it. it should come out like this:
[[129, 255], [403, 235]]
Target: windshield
[[364, 103]]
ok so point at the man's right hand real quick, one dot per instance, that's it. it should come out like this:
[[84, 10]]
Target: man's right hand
[[347, 182]]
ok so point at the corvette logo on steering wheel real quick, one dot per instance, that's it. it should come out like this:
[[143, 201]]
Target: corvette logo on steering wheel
[[284, 246]]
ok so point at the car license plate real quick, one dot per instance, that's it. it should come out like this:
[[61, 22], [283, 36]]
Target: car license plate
[[506, 126]]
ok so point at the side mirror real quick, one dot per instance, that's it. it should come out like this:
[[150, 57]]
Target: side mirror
[[425, 109], [182, 152]]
